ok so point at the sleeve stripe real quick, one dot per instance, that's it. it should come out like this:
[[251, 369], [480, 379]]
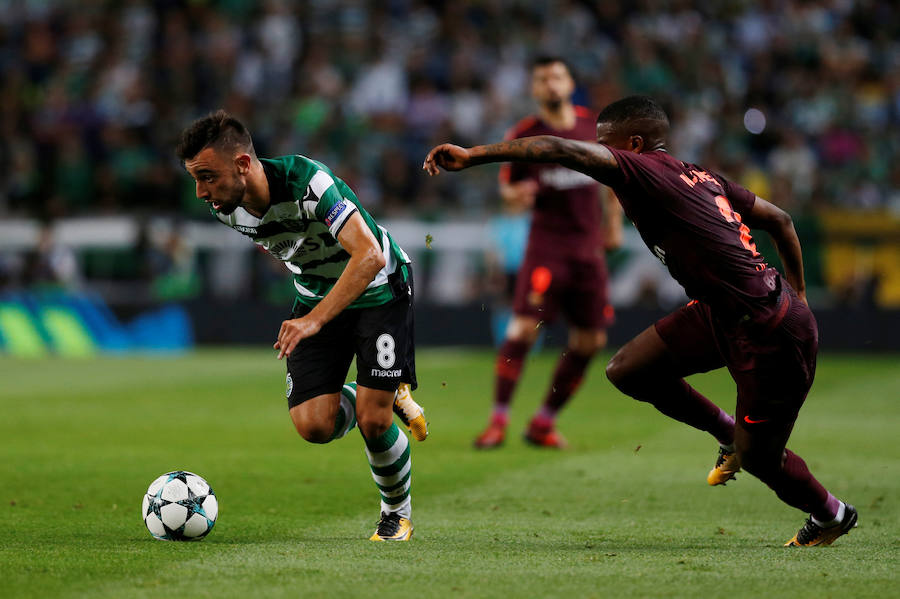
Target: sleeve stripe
[[320, 183], [338, 224]]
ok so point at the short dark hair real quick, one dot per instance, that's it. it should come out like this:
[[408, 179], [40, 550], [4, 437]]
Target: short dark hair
[[633, 108], [218, 129], [544, 60]]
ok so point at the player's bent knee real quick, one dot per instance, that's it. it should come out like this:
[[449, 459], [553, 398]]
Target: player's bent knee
[[617, 371], [372, 428], [314, 432], [627, 378], [586, 345], [523, 330], [529, 337], [761, 465]]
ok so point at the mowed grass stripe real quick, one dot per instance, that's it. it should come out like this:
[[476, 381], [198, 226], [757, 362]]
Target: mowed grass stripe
[[600, 520]]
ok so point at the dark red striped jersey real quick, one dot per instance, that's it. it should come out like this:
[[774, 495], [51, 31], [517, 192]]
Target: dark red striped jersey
[[692, 220], [567, 215]]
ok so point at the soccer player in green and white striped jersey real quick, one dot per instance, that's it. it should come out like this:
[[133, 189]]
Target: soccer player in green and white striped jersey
[[354, 298]]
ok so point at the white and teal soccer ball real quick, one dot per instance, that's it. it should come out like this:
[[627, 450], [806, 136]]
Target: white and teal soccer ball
[[179, 506]]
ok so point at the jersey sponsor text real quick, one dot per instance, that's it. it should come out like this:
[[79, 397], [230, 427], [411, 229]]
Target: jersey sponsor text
[[562, 178]]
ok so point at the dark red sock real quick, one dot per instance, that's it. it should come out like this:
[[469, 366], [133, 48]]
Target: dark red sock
[[569, 373], [508, 369], [797, 487]]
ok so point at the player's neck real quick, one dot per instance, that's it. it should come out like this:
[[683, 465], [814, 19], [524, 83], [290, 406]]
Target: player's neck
[[561, 118], [256, 198]]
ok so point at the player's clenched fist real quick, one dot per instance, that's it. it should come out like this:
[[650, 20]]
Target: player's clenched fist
[[448, 157], [293, 332]]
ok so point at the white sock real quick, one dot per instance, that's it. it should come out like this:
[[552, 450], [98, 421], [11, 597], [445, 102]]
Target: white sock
[[838, 518], [348, 407], [404, 509], [391, 469]]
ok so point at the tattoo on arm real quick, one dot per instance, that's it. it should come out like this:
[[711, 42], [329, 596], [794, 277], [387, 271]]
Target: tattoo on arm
[[590, 158]]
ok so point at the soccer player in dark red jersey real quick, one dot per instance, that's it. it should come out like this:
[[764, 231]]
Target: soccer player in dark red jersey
[[745, 315], [564, 269]]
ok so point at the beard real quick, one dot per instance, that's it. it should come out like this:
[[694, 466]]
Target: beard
[[230, 203], [553, 104]]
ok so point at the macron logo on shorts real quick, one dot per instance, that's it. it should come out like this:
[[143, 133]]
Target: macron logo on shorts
[[386, 373], [336, 211]]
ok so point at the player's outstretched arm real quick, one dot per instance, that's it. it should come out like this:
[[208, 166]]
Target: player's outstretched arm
[[592, 159], [779, 225]]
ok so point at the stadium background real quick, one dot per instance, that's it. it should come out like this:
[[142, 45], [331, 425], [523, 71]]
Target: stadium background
[[799, 101]]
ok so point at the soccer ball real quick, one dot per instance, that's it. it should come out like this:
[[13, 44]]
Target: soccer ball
[[179, 506]]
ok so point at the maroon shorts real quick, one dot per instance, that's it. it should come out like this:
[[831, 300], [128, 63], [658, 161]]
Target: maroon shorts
[[773, 364], [549, 285]]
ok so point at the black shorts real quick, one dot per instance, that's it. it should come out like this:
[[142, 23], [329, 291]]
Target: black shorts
[[380, 337]]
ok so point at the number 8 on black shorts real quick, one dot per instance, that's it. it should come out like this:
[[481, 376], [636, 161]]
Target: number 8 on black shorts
[[381, 338]]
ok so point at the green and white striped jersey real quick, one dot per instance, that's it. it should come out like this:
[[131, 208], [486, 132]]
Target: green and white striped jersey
[[309, 206]]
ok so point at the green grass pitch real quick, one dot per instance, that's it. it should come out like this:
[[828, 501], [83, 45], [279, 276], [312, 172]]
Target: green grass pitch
[[625, 512]]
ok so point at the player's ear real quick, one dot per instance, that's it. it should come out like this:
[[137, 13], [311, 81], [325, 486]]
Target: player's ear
[[636, 143], [242, 163]]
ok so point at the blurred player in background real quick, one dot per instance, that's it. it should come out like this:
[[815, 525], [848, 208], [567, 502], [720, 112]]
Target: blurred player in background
[[745, 315], [507, 236], [564, 270], [354, 297]]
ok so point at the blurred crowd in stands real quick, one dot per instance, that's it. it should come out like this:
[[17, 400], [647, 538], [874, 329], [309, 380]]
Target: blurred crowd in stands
[[797, 99]]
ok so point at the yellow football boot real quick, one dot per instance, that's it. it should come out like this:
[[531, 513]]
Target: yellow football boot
[[392, 527], [812, 534], [410, 413], [727, 465]]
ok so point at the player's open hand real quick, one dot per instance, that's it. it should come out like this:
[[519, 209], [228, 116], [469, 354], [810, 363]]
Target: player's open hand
[[293, 332], [447, 157]]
